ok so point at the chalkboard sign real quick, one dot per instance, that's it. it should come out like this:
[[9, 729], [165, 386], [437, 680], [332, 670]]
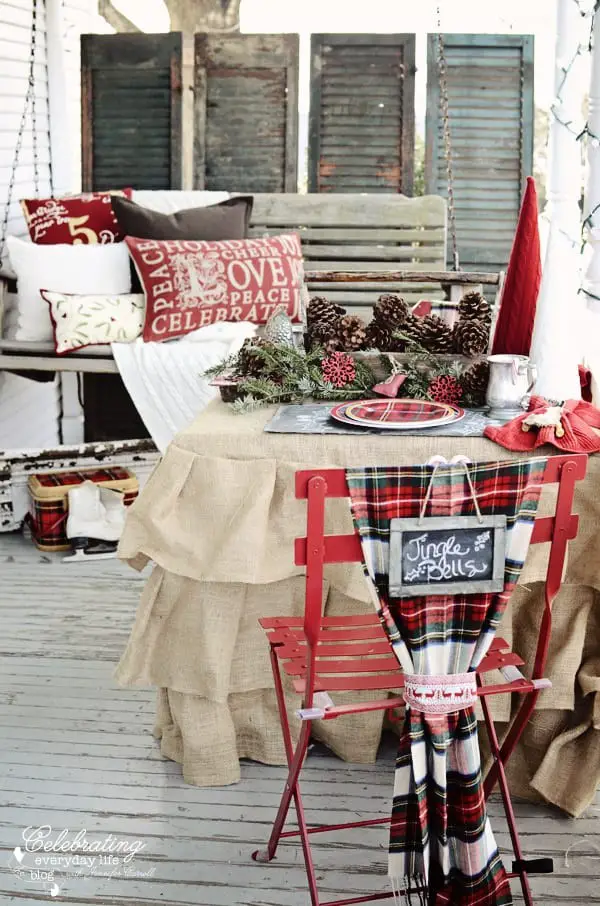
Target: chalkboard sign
[[447, 555]]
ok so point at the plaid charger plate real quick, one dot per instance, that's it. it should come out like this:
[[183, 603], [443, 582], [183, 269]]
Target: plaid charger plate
[[396, 414]]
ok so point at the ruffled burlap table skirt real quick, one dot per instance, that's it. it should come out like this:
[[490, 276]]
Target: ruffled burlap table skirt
[[218, 518]]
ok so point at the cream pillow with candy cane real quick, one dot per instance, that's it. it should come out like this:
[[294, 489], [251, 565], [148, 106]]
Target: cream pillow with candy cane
[[94, 320], [191, 283]]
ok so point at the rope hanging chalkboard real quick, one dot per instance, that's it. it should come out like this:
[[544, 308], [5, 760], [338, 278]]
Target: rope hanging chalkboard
[[440, 555]]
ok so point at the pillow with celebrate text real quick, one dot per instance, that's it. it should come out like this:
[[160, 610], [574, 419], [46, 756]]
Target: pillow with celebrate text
[[191, 283]]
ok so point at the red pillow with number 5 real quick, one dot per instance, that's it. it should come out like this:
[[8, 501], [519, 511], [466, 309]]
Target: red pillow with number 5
[[75, 220]]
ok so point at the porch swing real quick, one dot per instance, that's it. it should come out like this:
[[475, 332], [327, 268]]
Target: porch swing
[[36, 359]]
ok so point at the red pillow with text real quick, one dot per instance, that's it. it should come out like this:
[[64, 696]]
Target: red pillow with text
[[74, 220], [192, 283]]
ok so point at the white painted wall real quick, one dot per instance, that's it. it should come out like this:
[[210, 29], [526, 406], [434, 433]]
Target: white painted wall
[[15, 38], [29, 410]]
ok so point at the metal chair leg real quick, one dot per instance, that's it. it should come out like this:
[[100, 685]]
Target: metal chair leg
[[514, 734], [510, 815], [291, 791]]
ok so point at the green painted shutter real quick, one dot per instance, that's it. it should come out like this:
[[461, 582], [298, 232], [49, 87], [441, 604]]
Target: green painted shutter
[[362, 113], [131, 111], [490, 101], [246, 113]]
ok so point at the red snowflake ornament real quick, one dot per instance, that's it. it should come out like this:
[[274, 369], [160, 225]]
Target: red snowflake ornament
[[338, 369], [445, 389]]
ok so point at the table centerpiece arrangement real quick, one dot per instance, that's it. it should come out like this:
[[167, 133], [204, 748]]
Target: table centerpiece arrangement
[[398, 354]]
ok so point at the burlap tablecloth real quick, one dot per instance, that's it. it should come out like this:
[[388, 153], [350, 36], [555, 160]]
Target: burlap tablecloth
[[218, 518]]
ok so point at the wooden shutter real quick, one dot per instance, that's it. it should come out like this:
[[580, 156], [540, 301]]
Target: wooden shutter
[[246, 120], [362, 113], [490, 100], [131, 111]]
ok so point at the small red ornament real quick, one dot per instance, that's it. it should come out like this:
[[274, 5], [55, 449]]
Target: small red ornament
[[391, 386], [338, 368], [445, 389]]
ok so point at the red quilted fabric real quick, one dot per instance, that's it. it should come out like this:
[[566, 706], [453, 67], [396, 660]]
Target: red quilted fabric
[[522, 283]]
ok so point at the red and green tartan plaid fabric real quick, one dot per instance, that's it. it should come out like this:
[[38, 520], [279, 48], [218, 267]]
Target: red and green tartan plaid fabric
[[407, 411], [440, 836]]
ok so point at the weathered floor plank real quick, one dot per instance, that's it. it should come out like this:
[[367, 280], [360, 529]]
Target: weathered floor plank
[[77, 752]]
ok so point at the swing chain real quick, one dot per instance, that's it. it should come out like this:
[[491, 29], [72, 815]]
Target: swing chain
[[443, 82], [29, 102]]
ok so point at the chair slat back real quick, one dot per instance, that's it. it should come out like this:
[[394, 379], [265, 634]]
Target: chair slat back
[[316, 549]]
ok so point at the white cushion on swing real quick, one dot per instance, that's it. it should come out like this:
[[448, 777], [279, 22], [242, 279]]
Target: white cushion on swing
[[79, 269]]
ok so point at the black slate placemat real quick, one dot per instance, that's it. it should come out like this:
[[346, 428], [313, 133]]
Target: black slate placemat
[[314, 418]]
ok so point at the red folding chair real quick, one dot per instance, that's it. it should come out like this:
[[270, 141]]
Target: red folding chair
[[325, 655]]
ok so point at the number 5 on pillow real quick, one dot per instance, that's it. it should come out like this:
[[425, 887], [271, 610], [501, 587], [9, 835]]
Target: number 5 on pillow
[[76, 229]]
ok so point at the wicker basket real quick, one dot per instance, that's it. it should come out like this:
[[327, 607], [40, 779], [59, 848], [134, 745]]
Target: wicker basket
[[49, 501]]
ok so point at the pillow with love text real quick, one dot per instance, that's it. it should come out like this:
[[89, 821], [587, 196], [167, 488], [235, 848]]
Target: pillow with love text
[[192, 283]]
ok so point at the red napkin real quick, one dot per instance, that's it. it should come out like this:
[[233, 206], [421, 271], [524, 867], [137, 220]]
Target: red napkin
[[570, 428], [521, 286]]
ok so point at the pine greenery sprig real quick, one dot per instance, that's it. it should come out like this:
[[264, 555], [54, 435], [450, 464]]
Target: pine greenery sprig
[[290, 375]]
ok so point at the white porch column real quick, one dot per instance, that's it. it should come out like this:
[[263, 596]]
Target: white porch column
[[563, 189], [62, 139], [592, 219], [556, 344], [64, 147]]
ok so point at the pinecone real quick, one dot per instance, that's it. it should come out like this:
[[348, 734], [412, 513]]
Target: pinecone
[[434, 334], [324, 335], [320, 310], [248, 363], [473, 307], [381, 336], [390, 310], [352, 332], [411, 326], [474, 379], [471, 337]]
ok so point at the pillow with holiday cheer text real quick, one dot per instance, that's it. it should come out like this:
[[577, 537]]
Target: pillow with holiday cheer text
[[192, 283], [74, 220]]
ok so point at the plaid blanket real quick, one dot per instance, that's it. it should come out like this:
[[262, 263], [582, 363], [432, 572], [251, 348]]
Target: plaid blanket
[[442, 850]]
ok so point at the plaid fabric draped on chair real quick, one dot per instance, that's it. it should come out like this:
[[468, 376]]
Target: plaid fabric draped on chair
[[441, 843]]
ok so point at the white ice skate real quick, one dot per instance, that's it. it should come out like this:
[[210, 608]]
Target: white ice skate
[[95, 522]]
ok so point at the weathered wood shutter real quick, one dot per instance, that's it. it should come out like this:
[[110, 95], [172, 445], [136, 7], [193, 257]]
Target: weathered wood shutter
[[362, 113], [490, 100], [246, 113], [131, 111]]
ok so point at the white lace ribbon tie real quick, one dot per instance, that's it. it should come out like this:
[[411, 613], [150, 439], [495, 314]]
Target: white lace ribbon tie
[[440, 694]]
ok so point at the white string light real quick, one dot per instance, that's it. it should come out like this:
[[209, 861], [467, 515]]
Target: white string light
[[586, 12], [579, 134]]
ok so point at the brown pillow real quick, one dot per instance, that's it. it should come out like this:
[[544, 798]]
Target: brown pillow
[[226, 220]]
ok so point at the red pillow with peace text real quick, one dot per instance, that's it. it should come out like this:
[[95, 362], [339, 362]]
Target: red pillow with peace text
[[193, 283], [75, 220]]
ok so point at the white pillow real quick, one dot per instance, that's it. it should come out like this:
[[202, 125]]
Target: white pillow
[[168, 201], [80, 321], [78, 269]]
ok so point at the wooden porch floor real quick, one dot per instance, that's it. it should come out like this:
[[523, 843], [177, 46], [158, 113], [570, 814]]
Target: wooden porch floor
[[76, 752]]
